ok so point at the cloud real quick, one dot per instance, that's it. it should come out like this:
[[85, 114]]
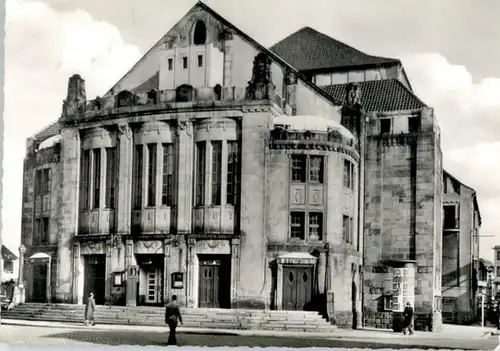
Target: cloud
[[469, 118], [44, 47]]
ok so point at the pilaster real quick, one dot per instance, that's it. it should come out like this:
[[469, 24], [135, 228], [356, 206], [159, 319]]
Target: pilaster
[[107, 293], [185, 176], [166, 270], [125, 152], [191, 247], [228, 58], [235, 269], [69, 210]]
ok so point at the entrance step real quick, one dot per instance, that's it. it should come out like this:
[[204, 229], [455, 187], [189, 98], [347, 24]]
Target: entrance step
[[192, 317]]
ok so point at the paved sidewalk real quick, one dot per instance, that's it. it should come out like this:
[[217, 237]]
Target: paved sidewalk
[[448, 332]]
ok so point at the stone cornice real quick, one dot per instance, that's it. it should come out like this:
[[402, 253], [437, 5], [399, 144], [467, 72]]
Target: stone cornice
[[166, 111]]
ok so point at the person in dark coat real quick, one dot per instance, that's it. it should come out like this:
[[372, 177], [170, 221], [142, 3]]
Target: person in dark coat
[[172, 317], [89, 310], [408, 319]]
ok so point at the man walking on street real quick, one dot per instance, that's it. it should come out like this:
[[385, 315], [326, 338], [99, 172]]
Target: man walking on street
[[172, 316], [408, 319]]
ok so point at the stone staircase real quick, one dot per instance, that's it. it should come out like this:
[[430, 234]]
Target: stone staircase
[[299, 321]]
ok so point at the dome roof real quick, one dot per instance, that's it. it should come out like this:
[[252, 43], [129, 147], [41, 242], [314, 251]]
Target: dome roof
[[311, 123], [49, 142]]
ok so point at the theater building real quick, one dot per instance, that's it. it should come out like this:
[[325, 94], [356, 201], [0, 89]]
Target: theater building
[[236, 176]]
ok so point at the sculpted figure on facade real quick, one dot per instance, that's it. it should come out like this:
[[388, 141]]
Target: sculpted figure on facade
[[261, 86], [76, 98], [353, 95]]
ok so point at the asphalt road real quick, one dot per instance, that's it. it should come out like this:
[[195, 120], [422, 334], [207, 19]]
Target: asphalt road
[[28, 335]]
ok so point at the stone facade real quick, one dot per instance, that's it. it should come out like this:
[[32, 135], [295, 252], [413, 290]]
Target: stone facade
[[461, 223], [212, 158]]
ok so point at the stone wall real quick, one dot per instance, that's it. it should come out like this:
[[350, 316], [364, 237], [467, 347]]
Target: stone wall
[[401, 223]]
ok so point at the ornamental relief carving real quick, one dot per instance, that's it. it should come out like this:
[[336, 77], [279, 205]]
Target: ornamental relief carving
[[213, 247], [148, 247], [92, 248]]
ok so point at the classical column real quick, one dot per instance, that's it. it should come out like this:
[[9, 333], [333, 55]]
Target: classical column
[[185, 177], [123, 212]]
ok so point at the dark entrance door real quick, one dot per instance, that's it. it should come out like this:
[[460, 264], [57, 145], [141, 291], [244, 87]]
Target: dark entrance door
[[214, 282], [40, 282], [297, 287], [95, 278]]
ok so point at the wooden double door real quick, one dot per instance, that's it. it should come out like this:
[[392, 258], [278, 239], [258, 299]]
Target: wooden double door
[[297, 287], [95, 278], [214, 282], [40, 276]]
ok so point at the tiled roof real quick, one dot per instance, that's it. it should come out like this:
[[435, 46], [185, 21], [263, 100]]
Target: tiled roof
[[51, 130], [308, 49], [148, 85], [380, 95]]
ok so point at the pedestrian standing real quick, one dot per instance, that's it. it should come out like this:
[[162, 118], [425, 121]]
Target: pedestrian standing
[[172, 317], [89, 310], [408, 319]]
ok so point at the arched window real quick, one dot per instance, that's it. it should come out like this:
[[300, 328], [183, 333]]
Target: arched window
[[200, 33]]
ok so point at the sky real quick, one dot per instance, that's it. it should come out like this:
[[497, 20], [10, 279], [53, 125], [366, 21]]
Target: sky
[[449, 48]]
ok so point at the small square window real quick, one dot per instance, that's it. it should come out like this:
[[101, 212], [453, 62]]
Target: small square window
[[385, 126], [200, 60], [185, 62], [170, 64]]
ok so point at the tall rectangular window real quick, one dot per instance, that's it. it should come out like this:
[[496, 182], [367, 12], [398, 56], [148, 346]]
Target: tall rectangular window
[[316, 169], [151, 174], [347, 230], [348, 174], [97, 178], [297, 225], [200, 173], [385, 126], [299, 168], [138, 164], [233, 173], [216, 172], [85, 179], [111, 176], [185, 62], [200, 60], [170, 64], [450, 220], [316, 225], [167, 187], [45, 232]]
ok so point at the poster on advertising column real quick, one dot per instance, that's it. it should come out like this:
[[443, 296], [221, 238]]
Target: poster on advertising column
[[403, 285]]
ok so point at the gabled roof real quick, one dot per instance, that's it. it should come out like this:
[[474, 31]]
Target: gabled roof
[[307, 49], [7, 254], [223, 21], [51, 130], [380, 95], [474, 194]]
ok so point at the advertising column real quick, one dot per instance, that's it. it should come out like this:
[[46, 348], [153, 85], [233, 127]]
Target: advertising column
[[403, 285]]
